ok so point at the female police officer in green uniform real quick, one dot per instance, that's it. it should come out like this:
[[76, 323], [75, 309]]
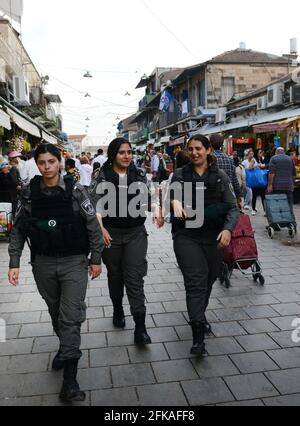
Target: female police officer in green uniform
[[199, 251], [59, 222], [125, 235]]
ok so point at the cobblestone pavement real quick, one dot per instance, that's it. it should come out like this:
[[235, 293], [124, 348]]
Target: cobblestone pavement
[[252, 358]]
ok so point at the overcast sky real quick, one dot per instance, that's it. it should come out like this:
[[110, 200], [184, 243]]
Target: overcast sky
[[120, 40]]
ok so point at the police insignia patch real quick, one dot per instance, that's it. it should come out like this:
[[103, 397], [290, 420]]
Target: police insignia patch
[[87, 206]]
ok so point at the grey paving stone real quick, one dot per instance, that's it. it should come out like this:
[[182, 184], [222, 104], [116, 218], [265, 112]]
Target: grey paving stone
[[286, 381], [184, 332], [263, 299], [36, 330], [37, 384], [94, 378], [251, 403], [236, 301], [283, 401], [173, 371], [287, 309], [256, 342], [9, 298], [287, 297], [163, 335], [28, 363], [24, 318], [45, 344], [205, 392], [114, 398], [93, 313], [233, 314], [223, 346], [258, 312], [165, 320], [258, 326], [217, 366], [284, 323], [12, 331], [93, 341], [4, 363], [108, 356], [16, 347], [159, 297], [176, 306], [150, 353], [250, 386], [164, 395], [132, 375], [121, 338], [178, 350], [227, 329], [254, 362], [284, 339], [286, 358], [161, 288]]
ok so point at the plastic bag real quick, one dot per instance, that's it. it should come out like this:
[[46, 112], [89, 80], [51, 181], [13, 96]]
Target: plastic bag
[[257, 178]]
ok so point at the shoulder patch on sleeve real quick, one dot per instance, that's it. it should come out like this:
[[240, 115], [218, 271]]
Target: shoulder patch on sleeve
[[88, 208]]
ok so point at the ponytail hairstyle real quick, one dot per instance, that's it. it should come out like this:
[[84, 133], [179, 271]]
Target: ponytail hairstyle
[[113, 149], [206, 143]]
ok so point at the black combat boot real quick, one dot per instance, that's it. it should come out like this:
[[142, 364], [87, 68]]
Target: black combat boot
[[207, 327], [119, 316], [198, 338], [57, 363], [141, 336], [70, 391]]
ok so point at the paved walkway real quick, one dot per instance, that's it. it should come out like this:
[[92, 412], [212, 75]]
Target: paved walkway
[[252, 358]]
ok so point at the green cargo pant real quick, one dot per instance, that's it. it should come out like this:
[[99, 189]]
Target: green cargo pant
[[62, 283]]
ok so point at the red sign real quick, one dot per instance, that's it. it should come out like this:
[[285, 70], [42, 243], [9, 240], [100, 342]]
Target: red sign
[[243, 141]]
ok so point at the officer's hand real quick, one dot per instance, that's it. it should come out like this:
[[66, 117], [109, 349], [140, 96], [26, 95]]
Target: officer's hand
[[13, 276], [158, 218], [106, 238], [179, 211], [224, 239], [95, 271], [270, 189]]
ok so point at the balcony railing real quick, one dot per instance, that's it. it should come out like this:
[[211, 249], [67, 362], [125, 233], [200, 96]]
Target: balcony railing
[[168, 118], [145, 101], [141, 135]]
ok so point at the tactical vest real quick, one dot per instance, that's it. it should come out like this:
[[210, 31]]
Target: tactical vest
[[215, 211], [53, 228], [135, 175]]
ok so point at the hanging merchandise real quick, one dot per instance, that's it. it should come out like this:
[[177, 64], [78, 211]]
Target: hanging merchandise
[[259, 144], [295, 141], [277, 141], [16, 144]]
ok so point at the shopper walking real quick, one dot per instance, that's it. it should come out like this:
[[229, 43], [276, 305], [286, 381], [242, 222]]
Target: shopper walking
[[59, 221], [199, 251], [125, 236]]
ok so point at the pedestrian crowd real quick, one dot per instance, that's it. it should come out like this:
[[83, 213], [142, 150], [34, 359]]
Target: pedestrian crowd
[[76, 213]]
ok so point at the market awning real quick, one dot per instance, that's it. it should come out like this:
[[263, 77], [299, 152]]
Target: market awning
[[4, 120], [48, 138], [24, 124], [179, 141], [274, 127], [165, 139]]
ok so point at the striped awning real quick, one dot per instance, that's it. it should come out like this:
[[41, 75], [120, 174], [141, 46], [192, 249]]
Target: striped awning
[[4, 120], [277, 126], [179, 141], [48, 138], [24, 124]]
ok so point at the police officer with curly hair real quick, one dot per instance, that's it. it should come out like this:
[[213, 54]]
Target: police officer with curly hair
[[56, 217]]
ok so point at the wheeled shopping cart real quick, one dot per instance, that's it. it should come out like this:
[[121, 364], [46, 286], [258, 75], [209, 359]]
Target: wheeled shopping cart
[[279, 215], [242, 254]]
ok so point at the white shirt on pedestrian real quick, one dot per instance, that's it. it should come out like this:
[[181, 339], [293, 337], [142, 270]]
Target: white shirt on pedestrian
[[247, 163], [85, 174], [29, 171], [101, 159]]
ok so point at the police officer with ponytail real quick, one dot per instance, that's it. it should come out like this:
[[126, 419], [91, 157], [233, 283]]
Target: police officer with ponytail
[[124, 232], [199, 250], [56, 217]]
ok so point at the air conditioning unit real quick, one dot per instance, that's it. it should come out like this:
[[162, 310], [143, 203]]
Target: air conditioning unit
[[221, 115], [262, 103], [275, 95], [296, 76], [21, 90], [295, 94]]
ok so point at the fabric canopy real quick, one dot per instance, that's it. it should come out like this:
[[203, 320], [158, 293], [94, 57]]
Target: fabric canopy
[[273, 127], [179, 141], [48, 138], [4, 120], [24, 124]]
